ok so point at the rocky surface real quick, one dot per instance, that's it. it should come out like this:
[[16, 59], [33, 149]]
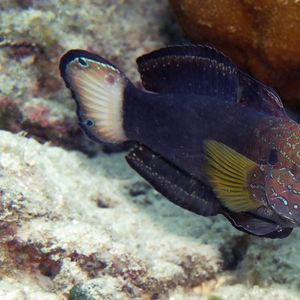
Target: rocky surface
[[262, 36], [66, 219]]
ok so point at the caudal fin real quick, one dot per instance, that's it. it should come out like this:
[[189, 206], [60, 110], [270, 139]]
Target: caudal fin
[[98, 89]]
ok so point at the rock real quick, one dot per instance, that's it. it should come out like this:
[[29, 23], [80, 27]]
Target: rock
[[53, 228], [261, 36], [24, 288], [101, 288]]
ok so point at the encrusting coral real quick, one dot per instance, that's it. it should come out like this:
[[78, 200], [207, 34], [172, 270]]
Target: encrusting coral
[[262, 36]]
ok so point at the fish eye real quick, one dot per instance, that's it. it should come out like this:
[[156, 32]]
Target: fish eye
[[89, 123], [273, 159], [82, 62]]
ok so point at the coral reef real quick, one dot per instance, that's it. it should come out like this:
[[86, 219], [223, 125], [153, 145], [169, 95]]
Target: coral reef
[[261, 36]]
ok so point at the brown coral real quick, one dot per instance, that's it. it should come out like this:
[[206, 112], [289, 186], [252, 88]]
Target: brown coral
[[262, 36]]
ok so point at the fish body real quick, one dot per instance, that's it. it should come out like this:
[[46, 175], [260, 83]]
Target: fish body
[[194, 119], [209, 137]]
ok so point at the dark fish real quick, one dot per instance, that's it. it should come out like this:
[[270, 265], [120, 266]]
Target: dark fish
[[209, 137]]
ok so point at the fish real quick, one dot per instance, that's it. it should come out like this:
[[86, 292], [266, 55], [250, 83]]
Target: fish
[[206, 135]]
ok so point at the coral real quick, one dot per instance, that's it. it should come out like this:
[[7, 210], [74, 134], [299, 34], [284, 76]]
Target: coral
[[261, 36]]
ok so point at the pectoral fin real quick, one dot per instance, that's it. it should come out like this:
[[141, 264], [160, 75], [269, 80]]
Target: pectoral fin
[[228, 172]]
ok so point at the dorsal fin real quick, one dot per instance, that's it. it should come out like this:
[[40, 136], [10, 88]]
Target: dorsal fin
[[199, 70], [255, 94]]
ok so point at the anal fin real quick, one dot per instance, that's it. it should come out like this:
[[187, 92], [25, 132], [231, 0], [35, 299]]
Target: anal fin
[[174, 184]]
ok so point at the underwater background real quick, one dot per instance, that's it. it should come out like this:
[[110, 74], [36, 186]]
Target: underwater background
[[75, 221]]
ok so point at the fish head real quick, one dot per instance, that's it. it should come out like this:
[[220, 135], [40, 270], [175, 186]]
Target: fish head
[[282, 188]]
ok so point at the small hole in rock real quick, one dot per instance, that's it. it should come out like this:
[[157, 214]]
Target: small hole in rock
[[49, 269], [139, 188], [102, 204], [234, 251]]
